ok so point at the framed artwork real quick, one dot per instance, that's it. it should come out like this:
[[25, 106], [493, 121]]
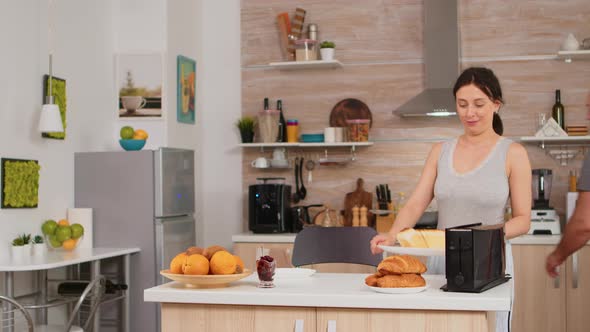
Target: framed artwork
[[185, 89], [20, 183], [58, 90], [140, 85]]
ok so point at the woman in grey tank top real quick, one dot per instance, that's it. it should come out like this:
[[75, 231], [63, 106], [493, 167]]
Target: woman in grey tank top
[[473, 176]]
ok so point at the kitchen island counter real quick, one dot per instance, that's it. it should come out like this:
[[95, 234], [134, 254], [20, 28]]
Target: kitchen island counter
[[334, 293]]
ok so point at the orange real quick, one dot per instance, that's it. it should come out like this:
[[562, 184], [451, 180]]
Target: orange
[[140, 134], [69, 244], [194, 250], [210, 251], [239, 263], [196, 264], [63, 222], [177, 263], [223, 262]]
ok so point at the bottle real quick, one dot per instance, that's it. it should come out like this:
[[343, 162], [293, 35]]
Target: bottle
[[558, 111], [282, 137], [265, 103]]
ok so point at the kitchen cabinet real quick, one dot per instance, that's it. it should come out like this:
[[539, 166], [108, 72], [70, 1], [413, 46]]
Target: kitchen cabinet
[[282, 253], [545, 304], [231, 318]]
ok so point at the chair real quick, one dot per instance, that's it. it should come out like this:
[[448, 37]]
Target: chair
[[84, 310], [13, 316], [317, 245]]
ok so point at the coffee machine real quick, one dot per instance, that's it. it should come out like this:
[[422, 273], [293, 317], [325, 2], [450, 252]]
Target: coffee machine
[[544, 218], [269, 206]]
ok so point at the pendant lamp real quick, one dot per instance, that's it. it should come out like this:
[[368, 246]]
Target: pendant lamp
[[50, 117]]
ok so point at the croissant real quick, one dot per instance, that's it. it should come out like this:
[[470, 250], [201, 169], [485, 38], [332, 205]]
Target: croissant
[[401, 264], [372, 279], [401, 280]]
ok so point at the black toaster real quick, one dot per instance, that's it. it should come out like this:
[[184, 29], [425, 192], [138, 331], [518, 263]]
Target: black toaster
[[475, 258]]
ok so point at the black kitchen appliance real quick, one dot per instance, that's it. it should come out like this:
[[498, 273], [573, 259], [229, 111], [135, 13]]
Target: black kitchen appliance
[[269, 206], [475, 258]]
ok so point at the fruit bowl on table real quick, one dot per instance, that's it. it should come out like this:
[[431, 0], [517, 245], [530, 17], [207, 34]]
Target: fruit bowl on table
[[132, 144], [70, 244], [206, 281]]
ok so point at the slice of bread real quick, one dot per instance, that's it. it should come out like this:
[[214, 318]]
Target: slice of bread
[[435, 238], [422, 238], [411, 238]]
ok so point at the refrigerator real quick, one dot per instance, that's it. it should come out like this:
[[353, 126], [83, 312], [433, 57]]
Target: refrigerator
[[142, 199]]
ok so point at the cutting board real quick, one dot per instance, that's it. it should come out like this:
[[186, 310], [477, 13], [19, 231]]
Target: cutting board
[[359, 197]]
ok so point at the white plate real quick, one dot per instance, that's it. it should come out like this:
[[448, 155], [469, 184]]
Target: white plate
[[413, 251], [399, 290], [293, 273]]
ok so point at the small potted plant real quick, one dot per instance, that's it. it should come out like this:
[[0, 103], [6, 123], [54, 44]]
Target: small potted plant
[[327, 50], [20, 247], [38, 246], [246, 127]]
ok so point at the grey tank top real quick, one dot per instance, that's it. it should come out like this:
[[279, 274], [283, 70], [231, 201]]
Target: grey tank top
[[479, 195]]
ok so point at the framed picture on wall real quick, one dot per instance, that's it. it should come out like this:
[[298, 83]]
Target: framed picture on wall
[[185, 89], [140, 85], [58, 90], [20, 183]]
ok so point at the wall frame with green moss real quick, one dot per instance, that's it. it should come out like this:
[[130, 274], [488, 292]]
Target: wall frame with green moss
[[20, 183]]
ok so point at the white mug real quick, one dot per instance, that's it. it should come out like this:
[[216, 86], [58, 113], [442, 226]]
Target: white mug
[[260, 162], [339, 134], [132, 103]]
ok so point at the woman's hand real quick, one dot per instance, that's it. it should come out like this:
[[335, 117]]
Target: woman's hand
[[381, 239]]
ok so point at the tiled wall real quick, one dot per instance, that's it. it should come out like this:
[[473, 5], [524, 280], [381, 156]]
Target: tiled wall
[[380, 44]]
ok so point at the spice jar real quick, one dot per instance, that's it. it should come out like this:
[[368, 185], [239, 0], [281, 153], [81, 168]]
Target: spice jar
[[305, 50], [292, 131], [358, 130]]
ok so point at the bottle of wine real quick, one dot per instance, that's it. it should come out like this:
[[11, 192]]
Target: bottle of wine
[[265, 103], [282, 137], [558, 110]]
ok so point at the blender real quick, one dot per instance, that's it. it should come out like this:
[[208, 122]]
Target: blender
[[544, 218]]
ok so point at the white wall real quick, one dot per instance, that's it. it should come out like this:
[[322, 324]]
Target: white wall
[[219, 82]]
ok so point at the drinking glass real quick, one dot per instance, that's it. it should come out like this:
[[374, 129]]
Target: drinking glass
[[266, 271]]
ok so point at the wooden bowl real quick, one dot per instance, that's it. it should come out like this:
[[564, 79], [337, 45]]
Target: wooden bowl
[[206, 281]]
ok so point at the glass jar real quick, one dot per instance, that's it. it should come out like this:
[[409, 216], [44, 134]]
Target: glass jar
[[358, 130], [305, 50], [292, 131]]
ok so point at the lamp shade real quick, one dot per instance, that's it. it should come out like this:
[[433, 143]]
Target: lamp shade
[[50, 119]]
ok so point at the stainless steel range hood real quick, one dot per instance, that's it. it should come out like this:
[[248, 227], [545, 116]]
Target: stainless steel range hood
[[441, 62]]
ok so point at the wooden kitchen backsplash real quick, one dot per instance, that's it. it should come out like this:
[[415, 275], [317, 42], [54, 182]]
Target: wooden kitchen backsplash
[[380, 44]]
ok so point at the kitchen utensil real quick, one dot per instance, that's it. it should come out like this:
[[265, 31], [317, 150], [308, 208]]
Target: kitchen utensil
[[287, 46], [309, 166], [348, 109], [387, 193], [260, 162], [296, 197], [359, 197], [297, 24], [398, 290], [312, 138], [301, 216], [206, 281], [302, 190]]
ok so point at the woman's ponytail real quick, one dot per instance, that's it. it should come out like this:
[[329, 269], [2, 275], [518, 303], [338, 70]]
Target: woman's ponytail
[[497, 124]]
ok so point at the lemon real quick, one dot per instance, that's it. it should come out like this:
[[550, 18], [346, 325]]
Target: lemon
[[140, 134], [127, 132]]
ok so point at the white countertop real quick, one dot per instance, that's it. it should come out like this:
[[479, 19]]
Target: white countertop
[[56, 259], [333, 290], [249, 237]]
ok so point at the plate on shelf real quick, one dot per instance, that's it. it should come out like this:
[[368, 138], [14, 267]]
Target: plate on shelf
[[293, 273], [413, 251], [206, 281], [399, 290]]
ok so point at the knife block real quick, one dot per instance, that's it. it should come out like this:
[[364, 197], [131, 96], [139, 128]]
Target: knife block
[[384, 223]]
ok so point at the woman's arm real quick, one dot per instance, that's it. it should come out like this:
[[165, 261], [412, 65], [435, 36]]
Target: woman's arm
[[416, 204], [519, 177]]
